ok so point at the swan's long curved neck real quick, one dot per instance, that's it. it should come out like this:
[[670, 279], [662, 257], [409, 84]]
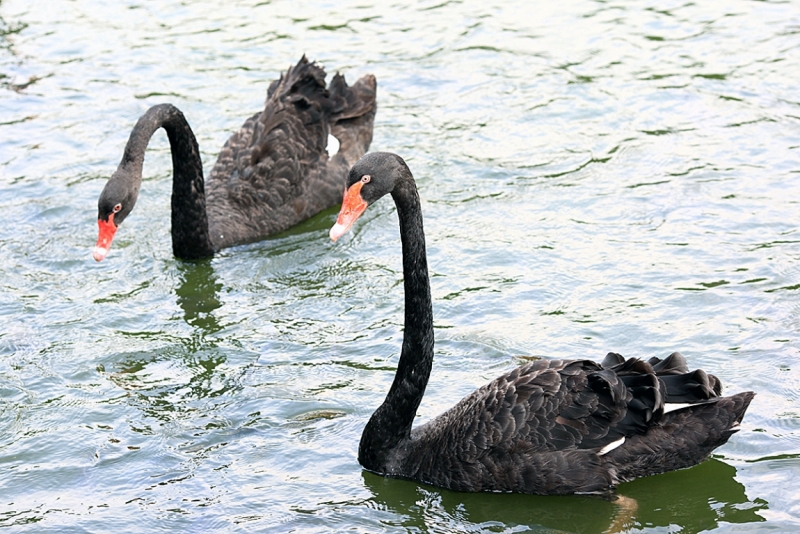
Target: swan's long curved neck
[[392, 421], [190, 237]]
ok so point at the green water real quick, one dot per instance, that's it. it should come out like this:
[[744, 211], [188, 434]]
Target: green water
[[595, 176]]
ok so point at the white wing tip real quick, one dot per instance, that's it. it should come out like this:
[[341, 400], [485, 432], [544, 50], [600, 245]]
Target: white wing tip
[[611, 446], [674, 406], [333, 145]]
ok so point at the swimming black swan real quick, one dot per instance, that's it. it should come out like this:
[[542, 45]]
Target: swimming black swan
[[270, 175], [548, 427]]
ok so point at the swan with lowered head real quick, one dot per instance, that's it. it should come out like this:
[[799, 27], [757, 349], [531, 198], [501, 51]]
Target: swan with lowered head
[[547, 427], [270, 175]]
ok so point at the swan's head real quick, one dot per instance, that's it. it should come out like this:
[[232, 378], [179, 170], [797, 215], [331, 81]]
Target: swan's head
[[115, 203], [373, 176]]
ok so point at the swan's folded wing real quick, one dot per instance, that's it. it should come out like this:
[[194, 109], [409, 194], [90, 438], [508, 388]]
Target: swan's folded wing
[[549, 406], [528, 431], [544, 406]]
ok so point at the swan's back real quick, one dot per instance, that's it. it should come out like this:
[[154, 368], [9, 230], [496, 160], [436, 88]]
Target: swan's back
[[565, 426], [275, 171]]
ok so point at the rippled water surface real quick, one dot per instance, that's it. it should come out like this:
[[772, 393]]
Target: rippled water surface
[[595, 176]]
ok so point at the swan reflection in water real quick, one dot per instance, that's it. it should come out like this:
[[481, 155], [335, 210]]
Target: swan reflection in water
[[197, 295], [695, 500], [186, 367]]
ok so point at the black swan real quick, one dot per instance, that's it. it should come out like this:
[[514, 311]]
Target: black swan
[[548, 427], [270, 175]]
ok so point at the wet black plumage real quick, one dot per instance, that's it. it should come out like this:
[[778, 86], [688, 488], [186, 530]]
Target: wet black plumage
[[547, 427], [270, 175]]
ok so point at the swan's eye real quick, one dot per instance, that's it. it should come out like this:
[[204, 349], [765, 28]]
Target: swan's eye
[[117, 208], [365, 179]]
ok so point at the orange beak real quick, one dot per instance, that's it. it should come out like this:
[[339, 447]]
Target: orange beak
[[352, 208], [104, 237]]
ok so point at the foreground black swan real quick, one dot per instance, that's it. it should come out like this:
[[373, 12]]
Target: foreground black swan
[[548, 427], [270, 175]]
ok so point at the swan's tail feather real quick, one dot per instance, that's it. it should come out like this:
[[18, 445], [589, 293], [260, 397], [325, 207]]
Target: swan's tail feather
[[303, 76], [682, 439], [352, 102], [303, 86], [673, 364], [696, 386], [348, 111], [679, 384], [353, 115]]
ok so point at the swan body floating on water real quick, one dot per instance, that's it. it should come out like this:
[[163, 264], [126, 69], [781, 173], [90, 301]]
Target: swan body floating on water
[[270, 175], [547, 427]]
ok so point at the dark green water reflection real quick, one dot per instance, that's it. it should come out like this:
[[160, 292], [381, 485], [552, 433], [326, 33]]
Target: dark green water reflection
[[694, 500]]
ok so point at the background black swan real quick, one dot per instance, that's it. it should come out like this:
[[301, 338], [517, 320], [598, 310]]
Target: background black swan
[[548, 427], [272, 174]]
